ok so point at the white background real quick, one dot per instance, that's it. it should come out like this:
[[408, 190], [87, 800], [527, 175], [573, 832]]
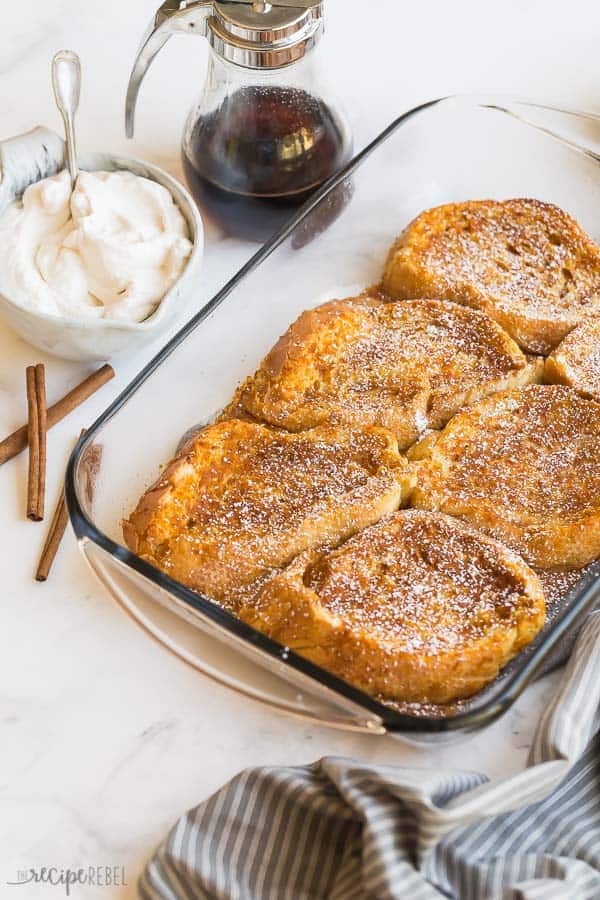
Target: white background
[[106, 739]]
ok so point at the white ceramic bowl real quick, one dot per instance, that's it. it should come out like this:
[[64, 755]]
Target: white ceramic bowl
[[29, 158]]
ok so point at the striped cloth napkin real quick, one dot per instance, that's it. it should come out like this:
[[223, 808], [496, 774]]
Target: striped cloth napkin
[[345, 831]]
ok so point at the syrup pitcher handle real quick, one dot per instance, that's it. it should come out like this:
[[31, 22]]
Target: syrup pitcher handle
[[173, 17], [192, 17]]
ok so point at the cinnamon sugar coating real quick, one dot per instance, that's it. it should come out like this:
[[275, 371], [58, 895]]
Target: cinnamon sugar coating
[[413, 606], [403, 366], [418, 607], [576, 360], [523, 466], [241, 500], [526, 263]]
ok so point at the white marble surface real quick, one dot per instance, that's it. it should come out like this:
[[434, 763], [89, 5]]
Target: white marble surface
[[105, 739]]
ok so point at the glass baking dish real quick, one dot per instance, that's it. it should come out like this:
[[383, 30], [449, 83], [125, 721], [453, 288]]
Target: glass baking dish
[[451, 149]]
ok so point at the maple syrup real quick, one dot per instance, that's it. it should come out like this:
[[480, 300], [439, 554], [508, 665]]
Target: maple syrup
[[252, 162]]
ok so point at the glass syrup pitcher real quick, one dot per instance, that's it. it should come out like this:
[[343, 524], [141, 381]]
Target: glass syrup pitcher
[[266, 132]]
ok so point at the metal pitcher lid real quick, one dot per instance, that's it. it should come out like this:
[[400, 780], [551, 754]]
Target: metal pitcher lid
[[261, 35]]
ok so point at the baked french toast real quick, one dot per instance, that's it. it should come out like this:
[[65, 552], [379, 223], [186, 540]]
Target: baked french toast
[[403, 366], [241, 500], [525, 263], [288, 510], [524, 467], [418, 607], [576, 360]]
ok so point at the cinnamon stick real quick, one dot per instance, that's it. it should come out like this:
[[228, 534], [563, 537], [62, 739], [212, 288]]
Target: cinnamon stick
[[53, 538], [17, 441], [36, 436], [55, 533]]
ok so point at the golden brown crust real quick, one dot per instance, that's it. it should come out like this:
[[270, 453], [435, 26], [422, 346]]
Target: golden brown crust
[[403, 366], [418, 607], [413, 605], [527, 264], [524, 466], [241, 500], [235, 408], [576, 360]]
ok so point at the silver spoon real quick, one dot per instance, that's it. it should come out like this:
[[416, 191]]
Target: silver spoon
[[66, 81]]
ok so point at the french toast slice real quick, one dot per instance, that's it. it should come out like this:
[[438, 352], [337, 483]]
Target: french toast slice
[[403, 366], [418, 607], [241, 500], [526, 263], [576, 360], [524, 467]]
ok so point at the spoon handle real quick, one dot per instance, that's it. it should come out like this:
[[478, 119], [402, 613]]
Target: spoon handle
[[66, 81]]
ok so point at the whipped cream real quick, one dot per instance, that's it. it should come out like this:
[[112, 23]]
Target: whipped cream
[[110, 249]]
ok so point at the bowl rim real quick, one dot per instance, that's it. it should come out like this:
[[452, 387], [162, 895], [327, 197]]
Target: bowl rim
[[174, 186]]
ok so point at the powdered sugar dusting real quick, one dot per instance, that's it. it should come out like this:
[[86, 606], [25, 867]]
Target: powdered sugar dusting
[[417, 605], [422, 583], [577, 359], [525, 467], [404, 366], [244, 499], [517, 259]]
